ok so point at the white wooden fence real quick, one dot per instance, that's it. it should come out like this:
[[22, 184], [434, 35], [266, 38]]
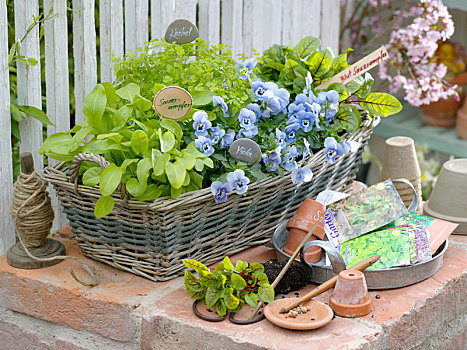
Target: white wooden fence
[[124, 25]]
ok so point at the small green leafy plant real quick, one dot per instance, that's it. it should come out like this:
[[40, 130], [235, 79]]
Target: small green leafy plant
[[228, 288], [144, 150]]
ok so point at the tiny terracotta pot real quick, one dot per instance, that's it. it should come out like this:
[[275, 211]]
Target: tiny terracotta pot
[[350, 297], [461, 122], [309, 213]]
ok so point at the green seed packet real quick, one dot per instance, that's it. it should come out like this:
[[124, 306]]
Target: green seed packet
[[392, 244], [363, 212]]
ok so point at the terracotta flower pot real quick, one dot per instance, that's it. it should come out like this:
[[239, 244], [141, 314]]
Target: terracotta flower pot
[[350, 297], [443, 112], [461, 121], [307, 215]]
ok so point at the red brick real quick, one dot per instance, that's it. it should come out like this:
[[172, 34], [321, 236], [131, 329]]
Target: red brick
[[13, 337]]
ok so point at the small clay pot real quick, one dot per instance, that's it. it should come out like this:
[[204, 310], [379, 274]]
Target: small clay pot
[[350, 297], [309, 213]]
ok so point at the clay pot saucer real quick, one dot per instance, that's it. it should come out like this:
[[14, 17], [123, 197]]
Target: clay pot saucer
[[319, 315]]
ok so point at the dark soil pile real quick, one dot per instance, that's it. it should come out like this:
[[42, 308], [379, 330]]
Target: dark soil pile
[[296, 277]]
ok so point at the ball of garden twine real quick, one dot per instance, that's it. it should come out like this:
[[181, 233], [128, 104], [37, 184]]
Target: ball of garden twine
[[33, 215]]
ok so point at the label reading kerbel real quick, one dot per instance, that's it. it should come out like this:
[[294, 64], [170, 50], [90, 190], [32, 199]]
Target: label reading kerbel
[[181, 31], [173, 102]]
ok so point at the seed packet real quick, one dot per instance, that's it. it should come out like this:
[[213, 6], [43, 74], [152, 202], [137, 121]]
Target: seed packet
[[363, 212], [436, 230], [392, 244]]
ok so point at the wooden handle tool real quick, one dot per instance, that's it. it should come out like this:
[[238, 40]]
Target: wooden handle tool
[[286, 267], [329, 284]]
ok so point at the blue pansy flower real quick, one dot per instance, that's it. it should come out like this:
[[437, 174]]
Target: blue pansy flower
[[238, 181], [255, 108], [306, 150], [349, 146], [227, 140], [329, 101], [217, 134], [306, 120], [300, 175], [260, 92], [244, 69], [246, 118], [291, 132], [204, 144], [273, 159], [219, 191], [280, 138], [308, 81], [278, 100], [201, 123], [288, 158], [332, 149], [219, 101], [249, 133], [294, 108]]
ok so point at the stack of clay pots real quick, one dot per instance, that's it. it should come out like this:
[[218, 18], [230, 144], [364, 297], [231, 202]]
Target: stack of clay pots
[[400, 161], [309, 213], [461, 121]]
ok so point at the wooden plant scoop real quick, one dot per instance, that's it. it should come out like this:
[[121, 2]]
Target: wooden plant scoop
[[328, 284]]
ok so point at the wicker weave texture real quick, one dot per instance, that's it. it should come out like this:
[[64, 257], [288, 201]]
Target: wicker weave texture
[[151, 239]]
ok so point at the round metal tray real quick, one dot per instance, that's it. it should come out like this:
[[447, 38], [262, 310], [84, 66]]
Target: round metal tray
[[394, 277]]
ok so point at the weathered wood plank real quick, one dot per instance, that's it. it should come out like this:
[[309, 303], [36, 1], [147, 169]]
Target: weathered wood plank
[[163, 12], [84, 53], [232, 25], [267, 28], [7, 230], [29, 78], [57, 84], [136, 24], [330, 14], [209, 20], [111, 35]]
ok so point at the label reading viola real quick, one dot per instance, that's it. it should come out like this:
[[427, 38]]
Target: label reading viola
[[173, 102], [245, 150]]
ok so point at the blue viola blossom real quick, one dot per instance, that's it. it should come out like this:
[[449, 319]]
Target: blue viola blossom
[[255, 108], [260, 91], [217, 135], [332, 149], [306, 120], [249, 133], [288, 158], [349, 146], [294, 108], [329, 101], [272, 159], [219, 101], [291, 132], [204, 144], [219, 191], [246, 118], [308, 81], [238, 181], [280, 138], [306, 150], [201, 124], [279, 100], [227, 140], [300, 175], [244, 69]]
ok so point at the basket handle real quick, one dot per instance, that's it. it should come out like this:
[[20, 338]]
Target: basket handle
[[99, 160]]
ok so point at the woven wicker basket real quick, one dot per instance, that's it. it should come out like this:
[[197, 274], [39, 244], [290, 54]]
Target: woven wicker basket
[[151, 239]]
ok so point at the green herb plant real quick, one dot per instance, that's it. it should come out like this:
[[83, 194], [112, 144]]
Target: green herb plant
[[228, 288], [203, 70], [143, 149]]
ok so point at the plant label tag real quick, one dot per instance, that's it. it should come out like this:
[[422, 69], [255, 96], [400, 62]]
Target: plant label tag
[[357, 69], [181, 31], [172, 102], [245, 150]]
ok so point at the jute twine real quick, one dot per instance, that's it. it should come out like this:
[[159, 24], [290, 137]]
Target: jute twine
[[33, 216]]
